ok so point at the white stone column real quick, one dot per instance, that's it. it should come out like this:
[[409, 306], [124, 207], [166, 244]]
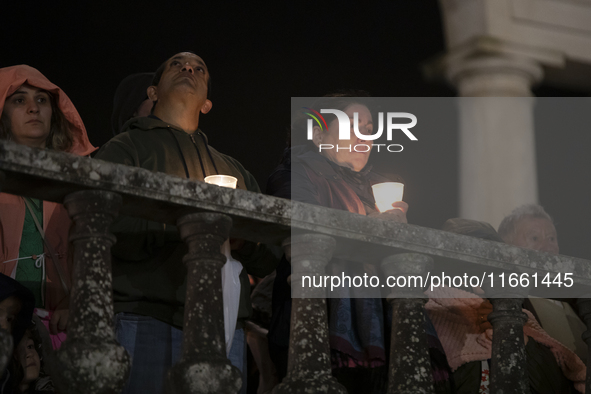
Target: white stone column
[[497, 145]]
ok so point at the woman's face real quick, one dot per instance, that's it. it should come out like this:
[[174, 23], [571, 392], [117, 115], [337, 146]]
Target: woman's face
[[345, 155], [29, 112], [28, 358]]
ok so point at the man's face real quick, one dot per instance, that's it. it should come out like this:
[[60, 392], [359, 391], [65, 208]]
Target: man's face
[[537, 234], [184, 73]]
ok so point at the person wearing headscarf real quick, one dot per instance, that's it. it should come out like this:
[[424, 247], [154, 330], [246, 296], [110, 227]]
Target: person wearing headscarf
[[34, 233]]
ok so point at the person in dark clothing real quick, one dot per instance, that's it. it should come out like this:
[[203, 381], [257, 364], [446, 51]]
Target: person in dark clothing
[[149, 277], [358, 327], [131, 100]]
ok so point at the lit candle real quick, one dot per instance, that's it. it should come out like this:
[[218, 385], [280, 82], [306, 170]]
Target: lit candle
[[387, 193], [222, 180]]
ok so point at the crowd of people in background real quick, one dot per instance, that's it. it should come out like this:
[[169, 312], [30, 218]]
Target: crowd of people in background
[[155, 123]]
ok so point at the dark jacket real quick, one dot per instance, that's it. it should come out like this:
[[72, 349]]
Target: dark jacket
[[149, 277], [306, 176], [358, 327]]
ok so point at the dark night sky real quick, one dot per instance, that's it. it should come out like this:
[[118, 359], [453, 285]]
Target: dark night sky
[[259, 57]]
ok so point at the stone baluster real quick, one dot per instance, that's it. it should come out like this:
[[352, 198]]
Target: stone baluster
[[91, 361], [203, 367], [309, 368], [584, 305], [508, 362], [410, 364]]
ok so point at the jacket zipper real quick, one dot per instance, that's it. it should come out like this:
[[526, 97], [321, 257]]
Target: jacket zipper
[[198, 155]]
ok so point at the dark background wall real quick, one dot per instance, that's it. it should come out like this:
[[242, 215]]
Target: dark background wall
[[259, 57]]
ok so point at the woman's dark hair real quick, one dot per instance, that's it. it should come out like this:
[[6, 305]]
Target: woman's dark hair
[[60, 136], [338, 100]]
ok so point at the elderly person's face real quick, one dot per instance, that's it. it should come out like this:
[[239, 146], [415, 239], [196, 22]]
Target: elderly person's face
[[342, 156], [535, 233]]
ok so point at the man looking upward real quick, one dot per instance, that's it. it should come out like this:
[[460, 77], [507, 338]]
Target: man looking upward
[[149, 278]]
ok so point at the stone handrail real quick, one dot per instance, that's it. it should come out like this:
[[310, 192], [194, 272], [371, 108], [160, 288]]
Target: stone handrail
[[87, 184], [257, 217]]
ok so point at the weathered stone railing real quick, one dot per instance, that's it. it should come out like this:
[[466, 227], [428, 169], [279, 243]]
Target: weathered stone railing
[[94, 190]]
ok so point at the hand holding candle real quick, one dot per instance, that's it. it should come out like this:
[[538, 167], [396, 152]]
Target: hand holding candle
[[387, 193], [226, 181], [388, 196]]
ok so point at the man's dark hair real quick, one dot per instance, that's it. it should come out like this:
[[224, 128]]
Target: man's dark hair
[[160, 70]]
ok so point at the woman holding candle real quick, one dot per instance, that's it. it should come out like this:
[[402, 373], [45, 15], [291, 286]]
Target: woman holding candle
[[34, 233], [340, 178]]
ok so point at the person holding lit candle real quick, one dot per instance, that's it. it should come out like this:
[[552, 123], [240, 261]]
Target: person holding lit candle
[[149, 277], [342, 179]]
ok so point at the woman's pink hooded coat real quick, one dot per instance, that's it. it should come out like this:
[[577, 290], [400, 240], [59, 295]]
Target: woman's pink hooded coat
[[56, 221]]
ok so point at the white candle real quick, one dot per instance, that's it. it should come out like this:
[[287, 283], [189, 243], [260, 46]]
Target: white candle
[[387, 193], [222, 180]]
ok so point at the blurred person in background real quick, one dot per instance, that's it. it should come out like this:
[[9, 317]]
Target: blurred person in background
[[530, 227], [131, 100]]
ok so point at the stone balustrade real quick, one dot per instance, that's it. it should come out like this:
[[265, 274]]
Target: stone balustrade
[[95, 191]]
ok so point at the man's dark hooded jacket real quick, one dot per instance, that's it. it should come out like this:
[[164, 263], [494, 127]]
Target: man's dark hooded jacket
[[149, 277]]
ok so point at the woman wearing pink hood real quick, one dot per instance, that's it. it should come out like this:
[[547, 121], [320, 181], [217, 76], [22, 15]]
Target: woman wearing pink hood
[[34, 233]]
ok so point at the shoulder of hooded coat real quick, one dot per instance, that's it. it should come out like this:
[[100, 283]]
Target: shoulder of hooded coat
[[11, 78], [12, 217]]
